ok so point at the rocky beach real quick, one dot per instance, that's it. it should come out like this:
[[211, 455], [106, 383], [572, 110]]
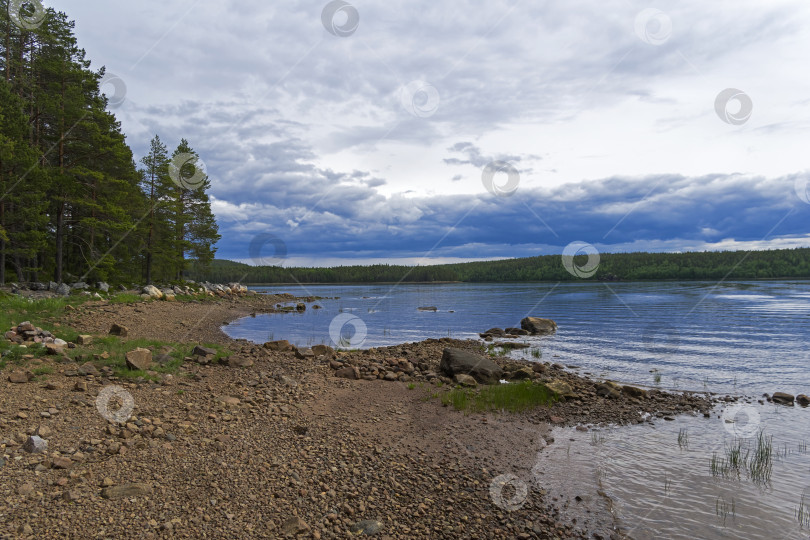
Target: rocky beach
[[244, 440]]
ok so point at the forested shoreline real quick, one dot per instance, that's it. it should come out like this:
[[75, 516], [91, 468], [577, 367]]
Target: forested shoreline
[[712, 265], [74, 205]]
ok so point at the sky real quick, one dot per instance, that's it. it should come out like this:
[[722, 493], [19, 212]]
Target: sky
[[423, 132]]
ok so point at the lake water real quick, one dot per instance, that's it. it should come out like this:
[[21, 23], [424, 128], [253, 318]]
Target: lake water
[[742, 338]]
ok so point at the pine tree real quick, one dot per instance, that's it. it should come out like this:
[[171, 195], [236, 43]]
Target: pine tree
[[155, 181]]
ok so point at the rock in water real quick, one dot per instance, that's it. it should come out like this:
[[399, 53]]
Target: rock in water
[[139, 359], [782, 398], [537, 326], [482, 369], [803, 400]]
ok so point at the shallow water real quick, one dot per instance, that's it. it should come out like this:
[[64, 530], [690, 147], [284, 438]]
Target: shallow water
[[741, 338]]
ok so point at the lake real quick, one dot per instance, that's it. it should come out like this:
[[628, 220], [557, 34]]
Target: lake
[[744, 338]]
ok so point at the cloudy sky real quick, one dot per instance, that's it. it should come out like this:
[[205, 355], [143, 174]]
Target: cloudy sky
[[423, 131]]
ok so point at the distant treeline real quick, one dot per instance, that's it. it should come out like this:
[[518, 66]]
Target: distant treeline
[[713, 265]]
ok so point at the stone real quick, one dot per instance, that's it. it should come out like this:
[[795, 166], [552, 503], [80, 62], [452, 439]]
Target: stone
[[199, 350], [118, 330], [483, 369], [152, 291], [25, 490], [44, 431], [35, 445], [537, 326], [608, 390], [560, 387], [320, 350], [300, 307], [103, 287], [803, 400], [240, 362], [63, 290], [80, 386], [54, 349], [136, 489], [294, 526], [516, 331], [782, 398], [84, 339], [80, 286], [18, 377], [348, 372], [88, 368], [521, 374], [304, 353], [140, 359], [62, 462], [464, 380], [279, 345], [368, 527], [635, 392]]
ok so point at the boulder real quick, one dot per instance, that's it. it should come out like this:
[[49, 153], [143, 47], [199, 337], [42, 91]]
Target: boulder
[[537, 326], [635, 392], [279, 345], [103, 287], [561, 388], [139, 359], [88, 368], [80, 286], [152, 291], [118, 330], [321, 350], [84, 339], [348, 372], [608, 390], [517, 331], [300, 307], [521, 374], [304, 353], [782, 398], [54, 349], [63, 290], [482, 369], [53, 286], [803, 400]]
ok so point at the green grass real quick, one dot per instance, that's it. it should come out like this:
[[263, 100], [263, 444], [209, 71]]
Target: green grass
[[513, 397], [739, 456], [683, 438], [126, 298], [803, 514]]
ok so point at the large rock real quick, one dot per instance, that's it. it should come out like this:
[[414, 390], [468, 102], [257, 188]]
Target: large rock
[[152, 291], [103, 287], [199, 350], [608, 389], [119, 330], [782, 398], [139, 359], [18, 377], [35, 445], [279, 345], [560, 387], [537, 326], [321, 350], [482, 369], [464, 380], [80, 286], [348, 372], [635, 392], [63, 290], [126, 490], [803, 400]]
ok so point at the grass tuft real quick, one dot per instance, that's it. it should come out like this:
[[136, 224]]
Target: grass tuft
[[514, 397]]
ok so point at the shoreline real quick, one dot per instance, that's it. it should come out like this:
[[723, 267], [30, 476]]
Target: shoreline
[[329, 450]]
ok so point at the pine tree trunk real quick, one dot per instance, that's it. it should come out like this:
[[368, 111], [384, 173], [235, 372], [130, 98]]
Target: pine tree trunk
[[60, 235]]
